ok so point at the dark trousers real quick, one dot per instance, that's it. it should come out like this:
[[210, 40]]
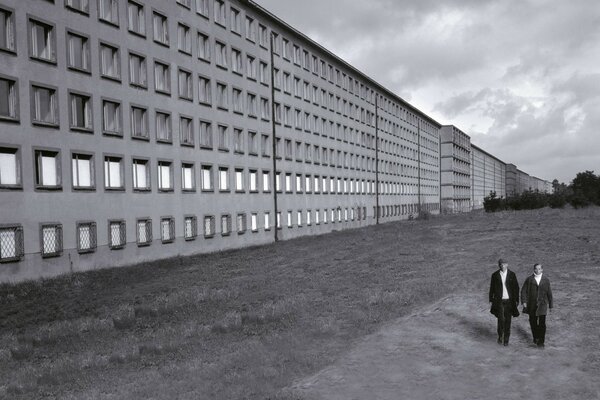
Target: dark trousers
[[538, 327], [504, 320]]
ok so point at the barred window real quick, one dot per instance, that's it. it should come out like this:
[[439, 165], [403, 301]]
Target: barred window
[[144, 232], [209, 226], [51, 240], [86, 237], [225, 225], [116, 234], [167, 230], [190, 227], [11, 243]]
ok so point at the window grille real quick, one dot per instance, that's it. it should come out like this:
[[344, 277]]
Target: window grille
[[11, 243]]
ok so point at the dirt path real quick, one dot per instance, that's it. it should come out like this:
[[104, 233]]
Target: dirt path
[[448, 351]]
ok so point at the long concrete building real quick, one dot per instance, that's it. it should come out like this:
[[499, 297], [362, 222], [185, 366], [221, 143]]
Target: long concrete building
[[138, 130]]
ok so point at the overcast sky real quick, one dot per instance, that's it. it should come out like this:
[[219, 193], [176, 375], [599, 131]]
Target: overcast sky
[[521, 77]]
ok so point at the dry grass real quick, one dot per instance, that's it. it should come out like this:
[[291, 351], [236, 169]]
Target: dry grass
[[246, 324]]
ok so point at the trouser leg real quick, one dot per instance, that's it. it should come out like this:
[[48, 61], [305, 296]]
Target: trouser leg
[[541, 329], [533, 324], [507, 320]]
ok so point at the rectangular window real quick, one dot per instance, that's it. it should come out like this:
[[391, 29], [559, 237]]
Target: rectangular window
[[223, 137], [238, 140], [110, 64], [223, 179], [238, 104], [9, 97], [267, 221], [7, 30], [167, 230], [11, 243], [188, 177], [236, 61], [162, 77], [141, 175], [165, 176], [254, 222], [265, 145], [239, 180], [116, 234], [42, 41], [44, 105], [220, 12], [225, 225], [86, 237], [78, 52], [250, 67], [206, 135], [236, 20], [160, 28], [252, 143], [136, 22], [265, 112], [222, 96], [184, 39], [266, 181], [186, 131], [51, 240], [83, 171], [290, 222], [299, 218], [10, 171], [163, 127], [108, 11], [221, 54], [241, 223], [202, 7], [203, 47], [47, 168], [111, 118], [263, 69], [144, 232], [209, 226], [137, 70], [113, 176], [139, 122], [207, 178], [253, 177], [190, 227], [250, 29], [263, 36], [251, 104], [184, 80], [204, 90]]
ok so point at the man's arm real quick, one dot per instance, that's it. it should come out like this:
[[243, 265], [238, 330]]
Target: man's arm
[[525, 292], [550, 304], [492, 289], [516, 289]]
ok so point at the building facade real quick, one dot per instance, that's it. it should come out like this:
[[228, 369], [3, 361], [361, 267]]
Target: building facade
[[455, 172], [133, 131], [488, 174]]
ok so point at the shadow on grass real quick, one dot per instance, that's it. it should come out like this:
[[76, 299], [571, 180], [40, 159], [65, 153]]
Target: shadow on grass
[[477, 330]]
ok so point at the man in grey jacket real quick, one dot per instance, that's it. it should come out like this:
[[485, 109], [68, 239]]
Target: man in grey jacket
[[536, 295]]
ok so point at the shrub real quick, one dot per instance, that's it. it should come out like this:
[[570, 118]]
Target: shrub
[[557, 200], [493, 203]]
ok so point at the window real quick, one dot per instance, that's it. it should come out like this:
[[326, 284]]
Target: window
[[287, 82], [207, 178], [47, 169], [9, 106], [162, 77], [223, 179], [265, 146], [51, 240], [253, 175], [186, 131], [165, 176], [236, 20], [190, 227], [252, 143], [108, 11], [203, 47], [184, 80], [265, 112], [223, 137], [238, 104], [10, 168], [206, 135], [110, 64], [250, 67], [299, 218], [116, 234], [144, 232], [278, 221], [44, 105], [286, 49], [135, 18], [238, 140], [83, 171], [236, 61], [137, 70], [298, 183], [167, 230], [267, 221], [241, 223], [188, 177], [266, 181], [250, 29], [184, 39], [251, 104], [290, 222], [239, 180], [11, 243], [78, 52], [86, 237], [80, 111], [141, 175], [225, 225], [111, 118], [219, 12], [254, 222], [221, 54], [263, 35], [42, 41], [163, 127], [7, 30], [204, 90], [113, 177], [264, 72], [209, 226], [160, 28], [288, 182], [222, 98], [139, 122], [202, 7]]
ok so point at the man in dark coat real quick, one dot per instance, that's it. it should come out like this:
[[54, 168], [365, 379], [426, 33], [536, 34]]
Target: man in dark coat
[[504, 296], [536, 296]]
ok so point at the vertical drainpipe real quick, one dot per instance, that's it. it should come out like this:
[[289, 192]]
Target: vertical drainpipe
[[274, 139], [376, 160], [419, 162]]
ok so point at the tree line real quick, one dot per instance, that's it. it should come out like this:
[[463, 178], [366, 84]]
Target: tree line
[[583, 191]]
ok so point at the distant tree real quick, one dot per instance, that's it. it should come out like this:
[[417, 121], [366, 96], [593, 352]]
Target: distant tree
[[586, 189]]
